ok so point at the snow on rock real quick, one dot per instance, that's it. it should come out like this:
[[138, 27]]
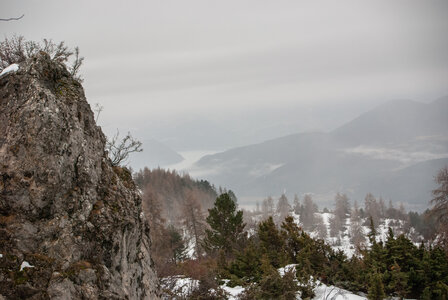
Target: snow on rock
[[25, 264], [286, 268], [331, 292], [233, 292], [11, 68]]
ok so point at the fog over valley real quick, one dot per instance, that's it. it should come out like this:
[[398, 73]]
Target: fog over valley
[[198, 78], [237, 150]]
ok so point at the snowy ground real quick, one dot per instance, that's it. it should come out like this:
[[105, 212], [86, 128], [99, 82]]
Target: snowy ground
[[323, 292], [342, 242]]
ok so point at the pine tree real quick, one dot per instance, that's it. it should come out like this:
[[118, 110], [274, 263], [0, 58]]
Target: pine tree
[[398, 282], [247, 264], [226, 227], [272, 242], [372, 231], [376, 289]]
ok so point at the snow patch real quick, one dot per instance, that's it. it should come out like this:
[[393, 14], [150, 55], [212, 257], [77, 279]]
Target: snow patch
[[25, 264], [233, 291], [286, 268], [331, 292], [11, 68]]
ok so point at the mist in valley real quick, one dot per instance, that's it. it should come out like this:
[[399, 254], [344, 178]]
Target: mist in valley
[[273, 140]]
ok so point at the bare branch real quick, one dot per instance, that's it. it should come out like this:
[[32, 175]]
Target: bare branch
[[119, 151], [98, 109], [16, 50], [13, 19]]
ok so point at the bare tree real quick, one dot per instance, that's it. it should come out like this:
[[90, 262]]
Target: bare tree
[[440, 204], [267, 207], [283, 208], [307, 218], [372, 209], [357, 236], [13, 19], [321, 227], [119, 150], [194, 221], [297, 205], [335, 225], [440, 194], [98, 109], [16, 50]]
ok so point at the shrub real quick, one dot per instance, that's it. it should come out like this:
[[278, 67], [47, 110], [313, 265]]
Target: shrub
[[17, 49]]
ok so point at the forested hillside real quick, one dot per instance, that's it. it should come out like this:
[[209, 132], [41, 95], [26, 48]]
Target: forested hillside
[[175, 206]]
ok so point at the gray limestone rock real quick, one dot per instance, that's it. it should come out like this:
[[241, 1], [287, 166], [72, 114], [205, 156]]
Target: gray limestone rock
[[64, 209]]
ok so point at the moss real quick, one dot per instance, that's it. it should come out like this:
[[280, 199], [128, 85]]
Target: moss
[[125, 176], [67, 87]]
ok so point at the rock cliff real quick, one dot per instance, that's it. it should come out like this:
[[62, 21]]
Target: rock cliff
[[71, 224]]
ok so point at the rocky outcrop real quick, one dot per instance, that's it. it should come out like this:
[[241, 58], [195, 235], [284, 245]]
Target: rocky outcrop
[[71, 225]]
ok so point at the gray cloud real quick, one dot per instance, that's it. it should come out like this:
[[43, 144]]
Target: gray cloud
[[225, 59]]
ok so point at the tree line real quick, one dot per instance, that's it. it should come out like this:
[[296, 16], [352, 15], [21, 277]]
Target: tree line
[[248, 248]]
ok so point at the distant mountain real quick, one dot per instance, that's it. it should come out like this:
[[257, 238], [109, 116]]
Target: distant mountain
[[393, 150], [154, 154], [396, 121]]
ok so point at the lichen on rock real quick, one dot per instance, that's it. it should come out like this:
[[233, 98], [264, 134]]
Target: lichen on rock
[[63, 208]]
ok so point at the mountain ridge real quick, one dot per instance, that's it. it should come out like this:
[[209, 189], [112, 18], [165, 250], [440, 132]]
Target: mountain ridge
[[392, 136]]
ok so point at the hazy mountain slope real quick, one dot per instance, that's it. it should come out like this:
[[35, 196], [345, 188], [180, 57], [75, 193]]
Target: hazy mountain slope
[[412, 185], [373, 153], [154, 154], [396, 121]]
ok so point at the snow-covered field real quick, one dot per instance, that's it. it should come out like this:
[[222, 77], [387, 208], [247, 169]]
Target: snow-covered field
[[343, 242], [183, 286]]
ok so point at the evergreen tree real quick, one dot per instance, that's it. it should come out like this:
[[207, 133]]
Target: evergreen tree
[[273, 286], [177, 244], [272, 242], [376, 289], [247, 265], [226, 231], [398, 284], [372, 231]]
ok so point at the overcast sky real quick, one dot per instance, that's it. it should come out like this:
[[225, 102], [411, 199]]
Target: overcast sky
[[264, 63]]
